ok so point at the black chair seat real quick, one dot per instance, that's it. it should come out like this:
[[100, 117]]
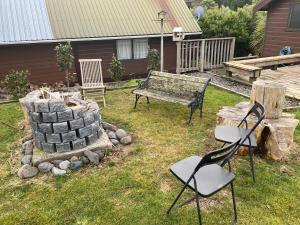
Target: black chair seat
[[231, 134], [210, 179]]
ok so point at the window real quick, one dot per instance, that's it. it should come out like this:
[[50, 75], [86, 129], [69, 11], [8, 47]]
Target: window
[[132, 49], [294, 20]]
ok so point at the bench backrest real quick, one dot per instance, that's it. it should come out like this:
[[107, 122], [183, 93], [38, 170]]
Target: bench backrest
[[176, 84]]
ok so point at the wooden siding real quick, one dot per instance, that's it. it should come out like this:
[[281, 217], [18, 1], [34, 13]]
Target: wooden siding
[[40, 59], [277, 34]]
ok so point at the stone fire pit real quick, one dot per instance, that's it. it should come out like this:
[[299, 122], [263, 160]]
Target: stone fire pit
[[62, 123]]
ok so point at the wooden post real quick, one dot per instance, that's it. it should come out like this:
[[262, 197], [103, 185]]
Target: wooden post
[[178, 62], [202, 56], [232, 48]]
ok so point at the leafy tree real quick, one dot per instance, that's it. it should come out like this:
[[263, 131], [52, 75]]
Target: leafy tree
[[257, 37], [65, 59], [154, 59], [17, 83], [116, 69]]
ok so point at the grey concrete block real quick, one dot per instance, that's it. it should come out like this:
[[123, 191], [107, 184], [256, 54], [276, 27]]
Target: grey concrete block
[[70, 136], [60, 127], [89, 118], [40, 137], [65, 115], [53, 138], [78, 111], [99, 133], [50, 117], [97, 115], [34, 126], [41, 105], [56, 105], [76, 124], [78, 144], [29, 103], [85, 131], [47, 147], [91, 138], [63, 147], [45, 128], [38, 144], [36, 117], [93, 105], [95, 126]]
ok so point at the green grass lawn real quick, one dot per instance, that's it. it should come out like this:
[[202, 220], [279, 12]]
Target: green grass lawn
[[137, 187]]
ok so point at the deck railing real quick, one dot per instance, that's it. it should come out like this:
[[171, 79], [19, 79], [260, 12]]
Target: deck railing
[[203, 54]]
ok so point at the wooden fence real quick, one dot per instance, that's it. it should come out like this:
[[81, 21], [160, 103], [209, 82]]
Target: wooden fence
[[203, 54]]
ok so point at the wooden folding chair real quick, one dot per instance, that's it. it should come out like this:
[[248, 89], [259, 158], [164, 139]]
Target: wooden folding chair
[[92, 80]]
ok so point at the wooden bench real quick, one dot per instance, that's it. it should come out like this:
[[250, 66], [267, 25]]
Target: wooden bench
[[176, 88], [253, 67]]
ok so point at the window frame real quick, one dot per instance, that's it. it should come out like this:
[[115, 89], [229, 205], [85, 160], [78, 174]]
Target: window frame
[[289, 18], [132, 49]]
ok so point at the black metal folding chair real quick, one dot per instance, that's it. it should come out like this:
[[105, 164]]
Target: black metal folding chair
[[229, 134], [204, 176]]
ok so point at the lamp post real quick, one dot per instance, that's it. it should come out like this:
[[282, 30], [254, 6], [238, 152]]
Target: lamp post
[[161, 17]]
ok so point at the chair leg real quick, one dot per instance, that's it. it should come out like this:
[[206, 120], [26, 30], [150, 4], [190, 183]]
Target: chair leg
[[148, 102], [178, 196], [234, 203], [191, 114], [197, 202], [137, 97], [251, 163]]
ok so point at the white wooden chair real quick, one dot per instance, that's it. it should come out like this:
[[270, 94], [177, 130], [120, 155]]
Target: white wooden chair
[[92, 80]]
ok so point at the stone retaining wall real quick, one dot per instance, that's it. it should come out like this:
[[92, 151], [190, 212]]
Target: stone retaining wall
[[58, 128]]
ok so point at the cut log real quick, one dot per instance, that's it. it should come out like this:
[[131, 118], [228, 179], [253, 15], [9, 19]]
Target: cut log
[[271, 95], [274, 136]]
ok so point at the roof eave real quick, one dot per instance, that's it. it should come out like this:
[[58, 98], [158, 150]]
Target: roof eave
[[92, 39]]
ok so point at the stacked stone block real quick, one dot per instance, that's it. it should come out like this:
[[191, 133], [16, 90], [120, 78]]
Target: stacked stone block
[[58, 128]]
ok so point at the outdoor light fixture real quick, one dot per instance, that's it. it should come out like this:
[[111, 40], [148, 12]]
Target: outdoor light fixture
[[161, 17]]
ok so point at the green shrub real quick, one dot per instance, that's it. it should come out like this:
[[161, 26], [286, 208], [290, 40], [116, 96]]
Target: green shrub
[[116, 69], [65, 59], [17, 83], [258, 35], [224, 22], [154, 59]]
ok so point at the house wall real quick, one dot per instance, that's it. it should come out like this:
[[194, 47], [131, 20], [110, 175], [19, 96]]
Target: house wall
[[40, 59], [277, 34]]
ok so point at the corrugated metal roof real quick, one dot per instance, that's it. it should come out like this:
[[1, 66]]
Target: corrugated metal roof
[[107, 18], [55, 20], [24, 20]]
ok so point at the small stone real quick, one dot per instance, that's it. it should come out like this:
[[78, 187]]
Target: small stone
[[57, 172], [75, 165], [101, 154], [74, 158], [27, 171], [126, 140], [92, 156], [64, 165], [108, 126], [45, 167], [27, 147], [26, 159], [56, 162], [121, 134], [84, 159], [114, 141], [111, 135]]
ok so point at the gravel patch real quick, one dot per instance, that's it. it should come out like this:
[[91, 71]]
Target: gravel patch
[[240, 88]]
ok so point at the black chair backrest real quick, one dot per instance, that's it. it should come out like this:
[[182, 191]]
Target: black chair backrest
[[259, 111], [221, 155]]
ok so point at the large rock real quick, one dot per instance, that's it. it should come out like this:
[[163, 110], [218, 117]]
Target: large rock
[[57, 172], [121, 133], [45, 167], [56, 162], [111, 135], [64, 165], [27, 147], [92, 156], [84, 159], [26, 159], [75, 165], [126, 140], [27, 171], [101, 154], [114, 141]]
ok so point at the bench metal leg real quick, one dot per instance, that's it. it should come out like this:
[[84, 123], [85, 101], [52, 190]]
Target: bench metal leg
[[201, 109], [148, 102], [137, 97], [191, 114]]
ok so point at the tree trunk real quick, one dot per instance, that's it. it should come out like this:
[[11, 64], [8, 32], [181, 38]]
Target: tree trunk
[[271, 95]]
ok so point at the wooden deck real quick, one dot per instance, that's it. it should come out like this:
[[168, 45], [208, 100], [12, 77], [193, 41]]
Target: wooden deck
[[289, 76]]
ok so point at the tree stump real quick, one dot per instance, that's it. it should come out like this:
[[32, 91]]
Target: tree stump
[[271, 95]]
